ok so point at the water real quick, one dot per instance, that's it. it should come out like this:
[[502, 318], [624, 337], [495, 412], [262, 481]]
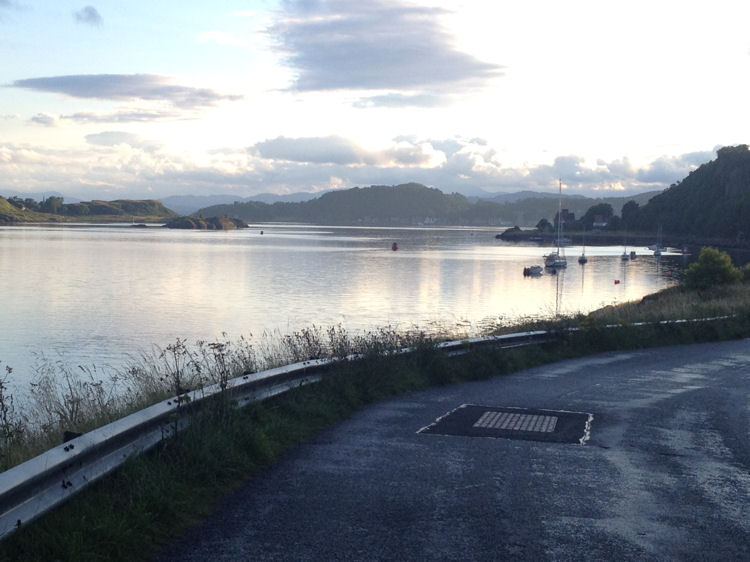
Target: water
[[93, 296]]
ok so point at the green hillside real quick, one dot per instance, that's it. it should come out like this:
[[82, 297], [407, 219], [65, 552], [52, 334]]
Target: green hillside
[[712, 201], [10, 214], [404, 205], [53, 209]]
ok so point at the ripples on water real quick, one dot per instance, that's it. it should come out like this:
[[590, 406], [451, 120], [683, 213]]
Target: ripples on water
[[94, 295]]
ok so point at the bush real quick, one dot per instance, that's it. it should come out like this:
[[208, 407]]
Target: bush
[[712, 268]]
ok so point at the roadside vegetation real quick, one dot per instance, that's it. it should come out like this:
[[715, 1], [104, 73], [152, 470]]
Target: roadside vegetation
[[131, 514]]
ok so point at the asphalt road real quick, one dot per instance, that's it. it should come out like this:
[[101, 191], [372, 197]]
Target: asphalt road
[[664, 474]]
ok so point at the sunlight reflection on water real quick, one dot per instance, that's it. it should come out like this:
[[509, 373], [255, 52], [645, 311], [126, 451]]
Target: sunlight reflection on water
[[94, 295]]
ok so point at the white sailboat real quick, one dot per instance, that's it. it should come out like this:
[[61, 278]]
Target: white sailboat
[[657, 246], [556, 259], [582, 259]]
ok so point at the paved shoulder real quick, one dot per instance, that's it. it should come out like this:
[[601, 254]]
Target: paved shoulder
[[664, 471]]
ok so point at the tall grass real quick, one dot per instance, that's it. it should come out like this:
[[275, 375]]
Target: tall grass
[[66, 400], [153, 497], [63, 400]]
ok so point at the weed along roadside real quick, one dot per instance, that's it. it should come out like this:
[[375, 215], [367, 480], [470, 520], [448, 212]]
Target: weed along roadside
[[153, 497]]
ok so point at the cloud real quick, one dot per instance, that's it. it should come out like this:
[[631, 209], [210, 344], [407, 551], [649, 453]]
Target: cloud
[[128, 165], [128, 141], [44, 120], [401, 100], [669, 169], [88, 15], [149, 87], [113, 138], [317, 150], [337, 150], [125, 116], [375, 45]]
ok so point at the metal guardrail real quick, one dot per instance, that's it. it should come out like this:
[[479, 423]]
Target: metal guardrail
[[38, 485]]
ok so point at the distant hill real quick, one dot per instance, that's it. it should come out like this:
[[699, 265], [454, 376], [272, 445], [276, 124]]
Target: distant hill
[[406, 204], [518, 196], [125, 208], [712, 201], [529, 211], [35, 195], [189, 204], [52, 209]]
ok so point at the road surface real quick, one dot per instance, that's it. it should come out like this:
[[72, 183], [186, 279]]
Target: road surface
[[663, 475]]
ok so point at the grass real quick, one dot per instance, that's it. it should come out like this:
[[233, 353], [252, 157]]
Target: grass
[[152, 498]]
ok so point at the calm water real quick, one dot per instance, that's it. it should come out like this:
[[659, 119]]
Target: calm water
[[95, 295]]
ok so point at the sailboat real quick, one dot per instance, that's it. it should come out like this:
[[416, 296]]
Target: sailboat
[[556, 259], [582, 259], [657, 246]]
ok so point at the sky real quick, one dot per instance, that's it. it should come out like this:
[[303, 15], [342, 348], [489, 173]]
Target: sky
[[140, 99]]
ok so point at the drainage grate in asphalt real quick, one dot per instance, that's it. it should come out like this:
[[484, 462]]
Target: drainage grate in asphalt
[[530, 424], [517, 422]]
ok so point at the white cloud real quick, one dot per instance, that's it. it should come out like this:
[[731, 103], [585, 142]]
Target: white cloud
[[376, 45], [338, 150], [123, 116], [88, 15], [44, 119], [149, 87]]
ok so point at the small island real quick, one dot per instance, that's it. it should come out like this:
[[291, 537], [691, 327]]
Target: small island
[[212, 223]]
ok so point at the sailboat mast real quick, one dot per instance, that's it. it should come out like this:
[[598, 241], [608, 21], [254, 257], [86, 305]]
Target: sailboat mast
[[559, 216]]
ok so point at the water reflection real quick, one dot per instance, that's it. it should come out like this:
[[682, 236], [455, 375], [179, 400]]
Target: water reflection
[[99, 294]]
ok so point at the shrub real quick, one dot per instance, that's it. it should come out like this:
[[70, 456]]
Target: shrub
[[712, 268]]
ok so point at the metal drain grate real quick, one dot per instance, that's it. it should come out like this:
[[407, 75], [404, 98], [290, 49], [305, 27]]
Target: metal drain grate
[[517, 422], [514, 423]]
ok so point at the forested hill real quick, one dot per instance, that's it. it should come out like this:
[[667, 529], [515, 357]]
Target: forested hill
[[377, 205], [406, 204], [15, 209], [712, 201]]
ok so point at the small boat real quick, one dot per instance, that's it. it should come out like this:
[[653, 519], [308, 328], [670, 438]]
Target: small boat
[[582, 259], [556, 259], [532, 271]]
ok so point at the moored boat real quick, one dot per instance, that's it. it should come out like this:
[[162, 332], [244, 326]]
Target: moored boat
[[556, 259]]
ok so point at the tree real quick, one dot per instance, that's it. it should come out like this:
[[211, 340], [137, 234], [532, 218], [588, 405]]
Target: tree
[[31, 204], [544, 226], [17, 202], [712, 268], [52, 205], [602, 211], [629, 214]]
